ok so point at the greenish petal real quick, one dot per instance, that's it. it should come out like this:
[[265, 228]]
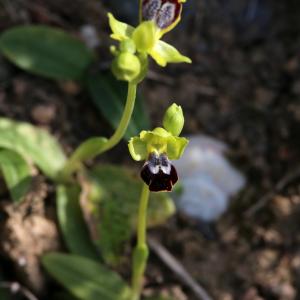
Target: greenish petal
[[145, 36], [155, 140], [164, 53], [120, 30], [144, 135], [138, 149], [161, 132], [175, 147]]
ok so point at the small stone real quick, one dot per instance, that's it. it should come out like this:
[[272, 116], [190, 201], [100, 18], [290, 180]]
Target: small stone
[[70, 87], [43, 113], [292, 65]]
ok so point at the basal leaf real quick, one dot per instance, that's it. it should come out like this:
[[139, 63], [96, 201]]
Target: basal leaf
[[116, 209], [46, 51], [71, 222], [109, 95], [34, 144], [85, 278], [16, 173]]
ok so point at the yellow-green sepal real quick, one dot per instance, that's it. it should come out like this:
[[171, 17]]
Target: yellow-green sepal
[[120, 30], [138, 148], [145, 36], [176, 146], [164, 53]]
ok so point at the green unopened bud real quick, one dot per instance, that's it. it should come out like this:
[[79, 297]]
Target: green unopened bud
[[126, 66], [144, 36], [174, 119], [127, 46]]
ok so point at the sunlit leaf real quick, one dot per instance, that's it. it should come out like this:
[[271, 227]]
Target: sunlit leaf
[[34, 144], [46, 51], [16, 173], [71, 222], [109, 95], [85, 278], [116, 209]]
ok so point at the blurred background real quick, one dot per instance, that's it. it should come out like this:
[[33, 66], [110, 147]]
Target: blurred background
[[237, 230]]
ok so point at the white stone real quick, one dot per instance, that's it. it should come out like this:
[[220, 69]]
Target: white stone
[[208, 179]]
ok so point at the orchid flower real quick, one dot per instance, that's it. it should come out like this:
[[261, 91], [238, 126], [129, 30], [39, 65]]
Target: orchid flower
[[157, 148], [158, 17]]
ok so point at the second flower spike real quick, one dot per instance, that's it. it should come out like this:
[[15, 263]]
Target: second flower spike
[[146, 38]]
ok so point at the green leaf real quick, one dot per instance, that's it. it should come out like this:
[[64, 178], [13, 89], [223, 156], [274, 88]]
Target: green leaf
[[109, 95], [16, 173], [34, 144], [46, 51], [72, 223], [116, 209], [85, 278]]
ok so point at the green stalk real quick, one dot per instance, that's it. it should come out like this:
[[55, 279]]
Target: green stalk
[[119, 133], [95, 146], [141, 251]]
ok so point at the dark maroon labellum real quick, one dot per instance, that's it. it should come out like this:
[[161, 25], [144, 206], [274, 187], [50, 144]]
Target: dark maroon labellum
[[158, 173], [163, 12]]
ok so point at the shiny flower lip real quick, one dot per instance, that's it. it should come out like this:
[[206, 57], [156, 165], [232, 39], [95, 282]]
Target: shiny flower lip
[[158, 173], [165, 13]]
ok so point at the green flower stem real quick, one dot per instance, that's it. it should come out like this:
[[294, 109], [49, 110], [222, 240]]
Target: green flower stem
[[119, 133], [95, 146], [141, 251]]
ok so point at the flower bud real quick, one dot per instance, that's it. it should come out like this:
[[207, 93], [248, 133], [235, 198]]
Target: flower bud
[[174, 120], [126, 66]]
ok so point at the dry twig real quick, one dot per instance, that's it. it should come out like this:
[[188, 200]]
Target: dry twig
[[178, 269]]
